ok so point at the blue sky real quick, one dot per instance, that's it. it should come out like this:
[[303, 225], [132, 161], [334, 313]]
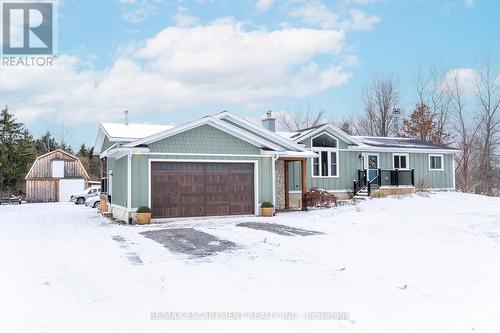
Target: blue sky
[[170, 61]]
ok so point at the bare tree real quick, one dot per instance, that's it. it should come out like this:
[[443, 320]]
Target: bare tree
[[466, 129], [345, 124], [379, 102], [430, 92], [488, 97], [300, 120]]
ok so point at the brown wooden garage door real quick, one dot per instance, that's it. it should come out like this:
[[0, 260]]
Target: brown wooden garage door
[[184, 189]]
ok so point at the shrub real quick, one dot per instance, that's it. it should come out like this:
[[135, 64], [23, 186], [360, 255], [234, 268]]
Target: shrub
[[143, 209], [266, 204], [316, 197], [421, 185], [378, 194]]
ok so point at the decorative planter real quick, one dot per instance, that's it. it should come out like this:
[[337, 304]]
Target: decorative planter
[[267, 212], [143, 218]]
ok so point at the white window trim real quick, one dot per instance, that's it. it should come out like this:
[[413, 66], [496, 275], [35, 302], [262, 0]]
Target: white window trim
[[407, 161], [442, 162], [318, 150], [329, 151]]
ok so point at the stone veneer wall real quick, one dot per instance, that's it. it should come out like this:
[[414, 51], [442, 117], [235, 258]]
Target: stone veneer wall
[[280, 184]]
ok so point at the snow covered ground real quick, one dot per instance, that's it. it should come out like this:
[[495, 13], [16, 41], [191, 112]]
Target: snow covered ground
[[66, 269]]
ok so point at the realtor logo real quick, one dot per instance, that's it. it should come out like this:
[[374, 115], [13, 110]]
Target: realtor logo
[[28, 28]]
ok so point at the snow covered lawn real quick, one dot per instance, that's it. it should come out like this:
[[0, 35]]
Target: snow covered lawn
[[414, 264]]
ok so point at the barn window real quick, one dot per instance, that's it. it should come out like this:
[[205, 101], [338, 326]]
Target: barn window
[[57, 169]]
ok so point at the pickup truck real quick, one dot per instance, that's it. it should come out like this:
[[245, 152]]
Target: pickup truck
[[80, 198]]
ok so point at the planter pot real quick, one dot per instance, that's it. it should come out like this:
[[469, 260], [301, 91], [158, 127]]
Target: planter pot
[[267, 212], [143, 218]]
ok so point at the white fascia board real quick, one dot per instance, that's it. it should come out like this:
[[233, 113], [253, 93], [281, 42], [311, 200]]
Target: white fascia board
[[168, 133], [123, 151], [402, 150], [337, 132], [246, 136], [251, 126], [208, 120], [298, 154]]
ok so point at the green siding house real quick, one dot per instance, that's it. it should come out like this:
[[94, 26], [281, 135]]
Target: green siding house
[[227, 165]]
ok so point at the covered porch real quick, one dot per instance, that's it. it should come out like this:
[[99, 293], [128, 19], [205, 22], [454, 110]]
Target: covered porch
[[287, 198], [391, 181]]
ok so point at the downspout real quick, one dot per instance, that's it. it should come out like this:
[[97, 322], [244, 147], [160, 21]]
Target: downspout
[[129, 185], [273, 166], [454, 170]]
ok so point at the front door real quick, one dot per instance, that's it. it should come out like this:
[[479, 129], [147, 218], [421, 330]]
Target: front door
[[372, 164]]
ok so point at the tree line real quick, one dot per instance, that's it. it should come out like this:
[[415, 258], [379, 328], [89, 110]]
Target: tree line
[[18, 150], [449, 109]]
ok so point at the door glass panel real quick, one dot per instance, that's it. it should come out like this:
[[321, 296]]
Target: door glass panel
[[324, 163], [372, 167]]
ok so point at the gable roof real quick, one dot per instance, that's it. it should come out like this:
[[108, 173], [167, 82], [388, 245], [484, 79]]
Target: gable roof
[[396, 142], [305, 133], [212, 121], [120, 132], [261, 131]]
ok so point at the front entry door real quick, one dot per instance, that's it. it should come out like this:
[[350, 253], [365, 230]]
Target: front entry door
[[372, 164]]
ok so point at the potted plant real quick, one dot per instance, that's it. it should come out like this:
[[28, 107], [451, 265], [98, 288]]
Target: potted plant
[[267, 209], [143, 215]]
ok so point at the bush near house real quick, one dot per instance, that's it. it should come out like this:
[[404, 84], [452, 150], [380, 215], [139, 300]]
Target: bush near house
[[317, 197]]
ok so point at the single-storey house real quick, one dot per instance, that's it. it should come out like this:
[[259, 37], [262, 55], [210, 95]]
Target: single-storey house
[[54, 177], [224, 164]]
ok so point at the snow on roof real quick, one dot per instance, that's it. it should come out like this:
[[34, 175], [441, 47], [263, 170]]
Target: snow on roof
[[287, 135], [393, 142], [133, 131]]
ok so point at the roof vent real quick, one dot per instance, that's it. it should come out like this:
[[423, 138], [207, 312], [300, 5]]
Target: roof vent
[[269, 122]]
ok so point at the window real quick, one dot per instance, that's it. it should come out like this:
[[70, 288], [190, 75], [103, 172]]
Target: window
[[436, 162], [57, 169], [324, 141], [333, 163], [400, 161], [326, 164]]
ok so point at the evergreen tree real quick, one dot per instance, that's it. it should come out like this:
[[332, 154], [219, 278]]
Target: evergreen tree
[[17, 150], [46, 144]]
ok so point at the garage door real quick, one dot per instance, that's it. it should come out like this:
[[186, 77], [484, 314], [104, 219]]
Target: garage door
[[68, 187], [184, 189]]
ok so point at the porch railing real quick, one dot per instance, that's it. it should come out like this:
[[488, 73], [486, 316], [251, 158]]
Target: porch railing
[[385, 177]]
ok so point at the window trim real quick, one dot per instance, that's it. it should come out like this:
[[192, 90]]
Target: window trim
[[320, 134], [318, 150], [407, 155], [442, 162]]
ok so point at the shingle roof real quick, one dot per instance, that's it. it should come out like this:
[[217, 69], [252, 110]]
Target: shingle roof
[[391, 142]]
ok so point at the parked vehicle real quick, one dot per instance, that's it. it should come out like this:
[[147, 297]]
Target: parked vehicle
[[80, 198], [93, 201]]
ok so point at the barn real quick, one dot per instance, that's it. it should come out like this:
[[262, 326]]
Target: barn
[[54, 177]]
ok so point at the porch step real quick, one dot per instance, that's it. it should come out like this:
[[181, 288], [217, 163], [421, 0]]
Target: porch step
[[360, 197]]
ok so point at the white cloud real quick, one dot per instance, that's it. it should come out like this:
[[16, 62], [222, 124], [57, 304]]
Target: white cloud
[[470, 3], [465, 78], [361, 21], [136, 11], [263, 5], [184, 19], [316, 13], [220, 63]]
